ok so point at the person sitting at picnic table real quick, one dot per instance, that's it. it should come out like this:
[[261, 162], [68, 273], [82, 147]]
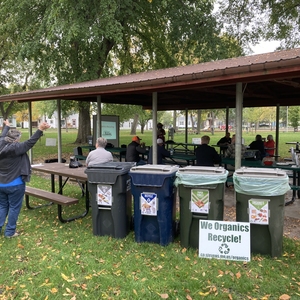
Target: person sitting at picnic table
[[99, 155], [224, 142], [270, 145], [161, 132], [133, 151], [258, 144], [161, 152], [205, 154], [230, 151]]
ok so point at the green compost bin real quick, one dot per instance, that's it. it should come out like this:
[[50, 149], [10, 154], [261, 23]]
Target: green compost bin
[[201, 196], [260, 194], [110, 188]]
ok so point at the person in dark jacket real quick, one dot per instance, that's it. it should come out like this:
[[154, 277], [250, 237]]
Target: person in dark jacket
[[205, 154], [15, 171], [259, 145], [224, 142], [161, 152], [134, 149]]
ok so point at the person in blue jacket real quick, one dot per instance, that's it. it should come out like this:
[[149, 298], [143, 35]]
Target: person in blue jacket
[[15, 171]]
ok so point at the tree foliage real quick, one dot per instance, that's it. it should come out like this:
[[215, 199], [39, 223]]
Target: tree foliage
[[294, 113], [74, 41], [252, 20]]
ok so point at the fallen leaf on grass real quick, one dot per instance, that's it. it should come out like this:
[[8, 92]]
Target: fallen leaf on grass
[[284, 297], [164, 296], [53, 290], [238, 275]]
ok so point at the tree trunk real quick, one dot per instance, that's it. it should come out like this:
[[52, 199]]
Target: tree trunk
[[84, 126], [199, 121], [212, 126], [192, 121], [134, 124], [174, 119]]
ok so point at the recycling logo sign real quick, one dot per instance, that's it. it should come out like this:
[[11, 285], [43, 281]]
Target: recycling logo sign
[[148, 204], [224, 240]]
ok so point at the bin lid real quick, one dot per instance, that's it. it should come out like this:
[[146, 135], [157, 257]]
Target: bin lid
[[260, 172], [156, 169], [199, 176], [202, 170], [110, 167]]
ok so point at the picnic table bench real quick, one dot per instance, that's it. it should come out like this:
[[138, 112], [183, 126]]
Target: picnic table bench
[[52, 197]]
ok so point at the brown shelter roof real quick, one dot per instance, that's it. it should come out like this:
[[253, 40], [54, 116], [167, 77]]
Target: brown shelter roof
[[268, 79]]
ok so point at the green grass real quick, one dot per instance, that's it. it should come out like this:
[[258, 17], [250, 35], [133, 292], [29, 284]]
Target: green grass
[[51, 260]]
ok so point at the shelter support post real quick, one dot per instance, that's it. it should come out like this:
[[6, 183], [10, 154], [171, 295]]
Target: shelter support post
[[277, 130], [154, 134], [30, 129], [59, 147], [238, 124], [186, 124], [227, 118], [99, 129]]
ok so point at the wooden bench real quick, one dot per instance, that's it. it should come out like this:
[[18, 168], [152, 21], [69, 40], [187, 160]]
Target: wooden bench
[[52, 198]]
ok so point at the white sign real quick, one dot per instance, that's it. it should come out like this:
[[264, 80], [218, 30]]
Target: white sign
[[200, 201], [224, 240], [109, 130], [258, 211], [196, 141], [50, 142], [104, 193], [148, 204]]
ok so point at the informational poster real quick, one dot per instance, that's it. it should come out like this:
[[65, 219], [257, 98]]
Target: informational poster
[[104, 195], [109, 130], [224, 240], [200, 201], [148, 204], [50, 142], [196, 141], [259, 211]]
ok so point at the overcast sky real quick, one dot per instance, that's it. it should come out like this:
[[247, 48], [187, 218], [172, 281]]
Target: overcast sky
[[265, 47]]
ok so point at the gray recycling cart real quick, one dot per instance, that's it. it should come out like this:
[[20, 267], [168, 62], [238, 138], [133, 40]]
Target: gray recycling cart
[[154, 196], [201, 194], [109, 185], [260, 194]]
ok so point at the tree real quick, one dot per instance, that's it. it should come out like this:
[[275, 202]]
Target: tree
[[71, 43], [252, 20], [294, 117]]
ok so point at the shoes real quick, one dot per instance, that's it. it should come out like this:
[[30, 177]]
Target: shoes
[[14, 235]]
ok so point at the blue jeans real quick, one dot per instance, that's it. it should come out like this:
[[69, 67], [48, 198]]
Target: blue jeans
[[11, 199]]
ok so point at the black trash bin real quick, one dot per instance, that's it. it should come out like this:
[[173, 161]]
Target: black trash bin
[[154, 196], [90, 140], [260, 194], [109, 185], [201, 197]]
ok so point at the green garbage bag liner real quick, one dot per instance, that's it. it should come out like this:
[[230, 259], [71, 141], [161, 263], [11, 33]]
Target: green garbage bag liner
[[261, 186], [199, 179]]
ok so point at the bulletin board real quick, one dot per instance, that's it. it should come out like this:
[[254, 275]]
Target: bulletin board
[[110, 129]]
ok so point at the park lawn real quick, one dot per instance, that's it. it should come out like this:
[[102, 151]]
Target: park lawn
[[40, 151], [51, 260]]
